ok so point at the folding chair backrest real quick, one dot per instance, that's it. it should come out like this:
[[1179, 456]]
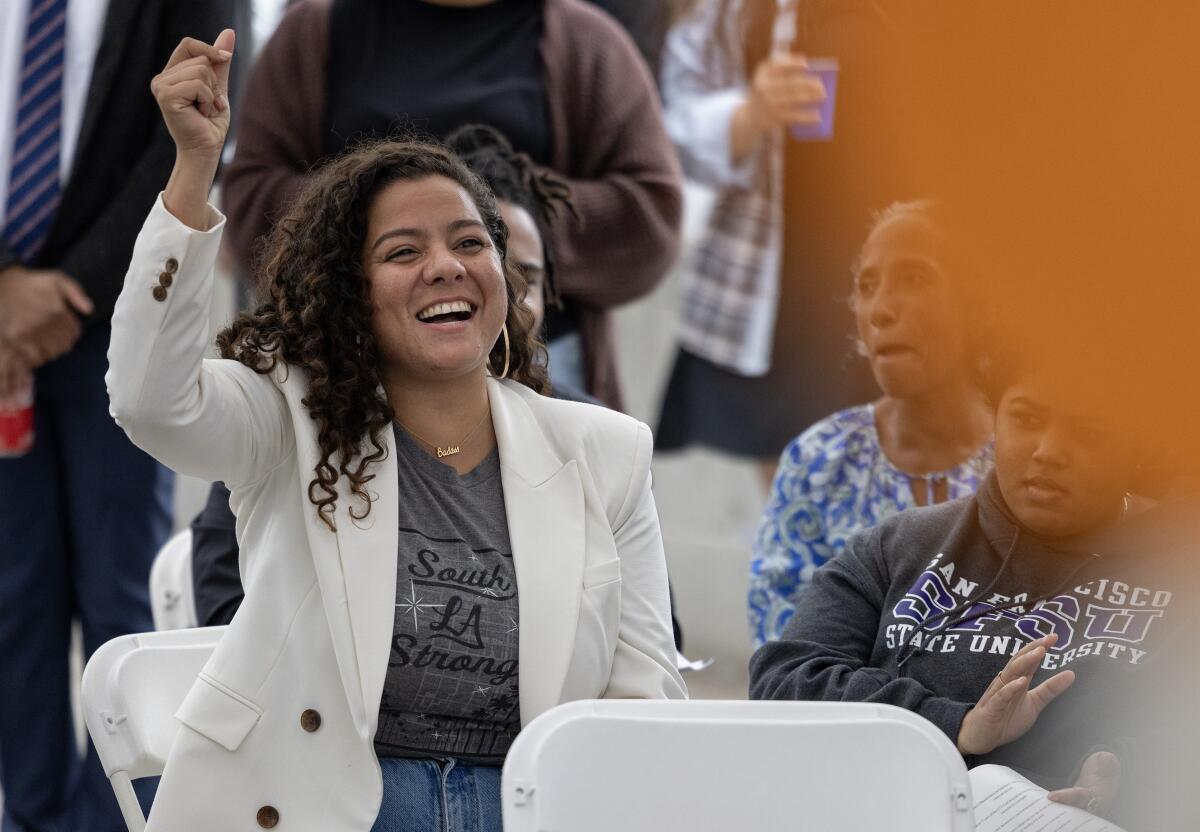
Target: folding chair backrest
[[647, 766], [172, 601], [132, 687]]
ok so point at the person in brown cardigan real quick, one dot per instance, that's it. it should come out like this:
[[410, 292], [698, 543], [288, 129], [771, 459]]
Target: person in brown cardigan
[[603, 133]]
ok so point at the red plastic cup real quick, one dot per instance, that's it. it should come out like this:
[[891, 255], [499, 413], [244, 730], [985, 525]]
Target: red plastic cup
[[827, 70], [16, 422]]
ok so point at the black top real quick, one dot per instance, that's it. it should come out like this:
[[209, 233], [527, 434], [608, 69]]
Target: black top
[[647, 22], [408, 65]]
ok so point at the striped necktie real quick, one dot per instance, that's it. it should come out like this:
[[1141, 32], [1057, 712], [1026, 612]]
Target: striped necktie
[[33, 184]]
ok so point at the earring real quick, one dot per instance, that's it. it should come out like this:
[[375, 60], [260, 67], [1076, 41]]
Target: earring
[[507, 351]]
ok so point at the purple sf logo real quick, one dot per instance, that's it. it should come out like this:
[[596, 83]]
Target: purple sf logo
[[1117, 624], [1057, 615], [981, 614], [928, 594]]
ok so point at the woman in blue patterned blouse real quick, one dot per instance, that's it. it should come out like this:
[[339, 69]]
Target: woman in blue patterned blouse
[[925, 441]]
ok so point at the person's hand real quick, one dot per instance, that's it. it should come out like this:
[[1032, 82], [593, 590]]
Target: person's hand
[[1008, 708], [39, 311], [784, 92], [192, 92], [14, 371], [1097, 784]]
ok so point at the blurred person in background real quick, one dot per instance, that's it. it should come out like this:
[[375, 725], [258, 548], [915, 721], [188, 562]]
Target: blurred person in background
[[980, 613], [646, 21], [1079, 227], [82, 155], [1145, 748], [558, 78], [927, 440], [763, 346]]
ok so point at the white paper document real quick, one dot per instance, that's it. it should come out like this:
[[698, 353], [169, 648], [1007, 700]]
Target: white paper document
[[1007, 802]]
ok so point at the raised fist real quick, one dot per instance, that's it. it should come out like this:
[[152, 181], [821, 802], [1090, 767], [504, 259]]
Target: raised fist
[[193, 93]]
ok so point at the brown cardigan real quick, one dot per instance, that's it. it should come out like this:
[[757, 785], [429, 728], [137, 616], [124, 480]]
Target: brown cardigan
[[608, 140]]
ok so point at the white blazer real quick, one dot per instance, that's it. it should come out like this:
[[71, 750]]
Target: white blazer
[[315, 630]]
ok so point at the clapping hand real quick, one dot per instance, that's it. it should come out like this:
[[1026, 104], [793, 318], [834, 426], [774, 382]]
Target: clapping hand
[[1009, 708]]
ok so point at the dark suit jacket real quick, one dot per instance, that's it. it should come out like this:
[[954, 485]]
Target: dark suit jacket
[[124, 154]]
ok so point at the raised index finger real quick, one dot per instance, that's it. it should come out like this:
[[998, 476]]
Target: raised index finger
[[192, 48]]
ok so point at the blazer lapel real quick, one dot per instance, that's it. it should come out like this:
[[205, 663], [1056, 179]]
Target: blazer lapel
[[356, 569], [543, 500], [367, 551]]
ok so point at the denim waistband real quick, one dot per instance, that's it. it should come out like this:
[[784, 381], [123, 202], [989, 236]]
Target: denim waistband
[[438, 795]]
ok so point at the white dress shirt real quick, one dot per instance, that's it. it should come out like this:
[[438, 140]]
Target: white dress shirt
[[85, 25]]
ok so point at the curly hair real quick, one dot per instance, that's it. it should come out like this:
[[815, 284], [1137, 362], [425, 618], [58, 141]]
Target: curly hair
[[316, 309]]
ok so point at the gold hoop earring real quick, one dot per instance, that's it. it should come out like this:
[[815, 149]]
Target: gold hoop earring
[[507, 351]]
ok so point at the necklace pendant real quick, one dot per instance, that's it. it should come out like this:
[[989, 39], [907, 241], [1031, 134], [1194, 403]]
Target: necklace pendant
[[445, 452]]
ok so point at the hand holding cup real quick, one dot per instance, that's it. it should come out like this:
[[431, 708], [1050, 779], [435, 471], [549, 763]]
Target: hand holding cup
[[785, 93]]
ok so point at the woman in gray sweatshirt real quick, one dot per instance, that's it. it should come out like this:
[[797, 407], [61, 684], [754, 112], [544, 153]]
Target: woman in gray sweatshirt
[[977, 614]]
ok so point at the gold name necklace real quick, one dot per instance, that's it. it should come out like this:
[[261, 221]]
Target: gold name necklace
[[442, 453]]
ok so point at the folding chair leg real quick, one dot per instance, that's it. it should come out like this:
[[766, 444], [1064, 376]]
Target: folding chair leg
[[127, 799]]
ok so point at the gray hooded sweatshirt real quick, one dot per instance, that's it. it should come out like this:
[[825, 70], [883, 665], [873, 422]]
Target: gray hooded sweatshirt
[[923, 611]]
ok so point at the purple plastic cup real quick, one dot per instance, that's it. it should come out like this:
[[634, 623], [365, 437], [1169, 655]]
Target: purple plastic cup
[[827, 70]]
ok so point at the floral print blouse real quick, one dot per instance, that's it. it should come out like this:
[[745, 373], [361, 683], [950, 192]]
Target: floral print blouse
[[833, 480]]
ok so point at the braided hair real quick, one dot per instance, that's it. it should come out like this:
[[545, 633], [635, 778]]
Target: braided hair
[[514, 177]]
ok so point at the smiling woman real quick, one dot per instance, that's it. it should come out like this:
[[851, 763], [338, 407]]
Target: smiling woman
[[436, 281], [379, 412], [432, 235]]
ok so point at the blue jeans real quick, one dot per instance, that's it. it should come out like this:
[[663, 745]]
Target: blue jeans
[[81, 517], [438, 796]]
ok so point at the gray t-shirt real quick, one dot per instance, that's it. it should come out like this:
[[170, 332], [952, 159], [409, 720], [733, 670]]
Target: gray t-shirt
[[451, 685]]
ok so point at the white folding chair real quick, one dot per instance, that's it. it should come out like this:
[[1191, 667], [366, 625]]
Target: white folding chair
[[650, 766], [172, 601], [132, 687]]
